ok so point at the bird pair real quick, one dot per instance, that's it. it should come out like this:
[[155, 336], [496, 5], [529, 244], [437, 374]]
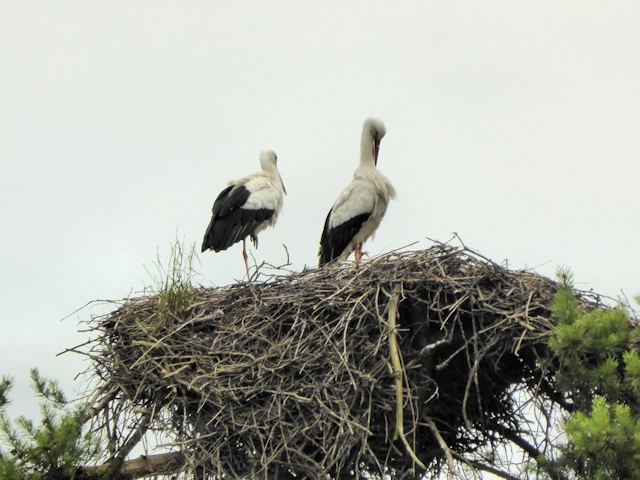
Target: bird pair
[[252, 203]]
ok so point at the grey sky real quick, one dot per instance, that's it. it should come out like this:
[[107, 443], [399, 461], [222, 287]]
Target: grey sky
[[514, 124]]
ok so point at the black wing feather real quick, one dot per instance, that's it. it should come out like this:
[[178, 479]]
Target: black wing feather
[[230, 222], [230, 199], [334, 240]]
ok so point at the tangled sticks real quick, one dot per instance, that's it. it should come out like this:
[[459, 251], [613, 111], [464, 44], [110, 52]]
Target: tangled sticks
[[297, 376]]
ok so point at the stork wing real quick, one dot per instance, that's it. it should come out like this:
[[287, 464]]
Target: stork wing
[[350, 212]]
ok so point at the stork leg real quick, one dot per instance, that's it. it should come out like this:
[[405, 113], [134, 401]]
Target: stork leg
[[244, 255], [358, 251]]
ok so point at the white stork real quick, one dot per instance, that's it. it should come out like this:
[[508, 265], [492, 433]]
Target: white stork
[[361, 206], [246, 207]]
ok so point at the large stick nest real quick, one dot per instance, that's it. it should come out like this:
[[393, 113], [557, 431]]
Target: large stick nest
[[293, 376]]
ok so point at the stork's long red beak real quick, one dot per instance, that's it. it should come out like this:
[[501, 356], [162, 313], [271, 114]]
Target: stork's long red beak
[[376, 149]]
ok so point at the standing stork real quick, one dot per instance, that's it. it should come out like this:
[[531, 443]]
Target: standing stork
[[361, 206], [246, 207]]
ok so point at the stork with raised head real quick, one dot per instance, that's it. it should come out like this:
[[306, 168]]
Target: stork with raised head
[[246, 207], [360, 207]]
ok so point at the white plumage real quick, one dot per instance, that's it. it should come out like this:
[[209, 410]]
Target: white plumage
[[361, 206], [246, 207]]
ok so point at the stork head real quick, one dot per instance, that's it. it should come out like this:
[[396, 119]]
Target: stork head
[[269, 163], [373, 130]]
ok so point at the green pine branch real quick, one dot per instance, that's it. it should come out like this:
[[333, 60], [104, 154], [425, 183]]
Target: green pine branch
[[55, 447], [599, 372]]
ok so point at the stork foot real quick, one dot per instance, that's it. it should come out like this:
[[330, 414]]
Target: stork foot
[[358, 251]]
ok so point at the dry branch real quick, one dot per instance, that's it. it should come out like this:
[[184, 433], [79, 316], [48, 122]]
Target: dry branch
[[142, 466]]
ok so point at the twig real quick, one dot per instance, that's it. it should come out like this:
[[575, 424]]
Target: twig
[[116, 463], [445, 448], [481, 466], [398, 371]]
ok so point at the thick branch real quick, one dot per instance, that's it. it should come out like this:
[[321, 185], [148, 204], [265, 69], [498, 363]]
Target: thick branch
[[162, 464], [556, 396], [531, 450], [481, 466]]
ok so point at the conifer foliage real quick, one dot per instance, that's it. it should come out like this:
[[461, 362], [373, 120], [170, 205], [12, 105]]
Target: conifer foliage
[[54, 448], [600, 373]]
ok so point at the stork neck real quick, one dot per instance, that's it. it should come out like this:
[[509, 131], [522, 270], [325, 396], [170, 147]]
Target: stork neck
[[269, 167], [366, 150]]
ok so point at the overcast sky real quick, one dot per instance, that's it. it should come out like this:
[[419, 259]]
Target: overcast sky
[[514, 124]]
